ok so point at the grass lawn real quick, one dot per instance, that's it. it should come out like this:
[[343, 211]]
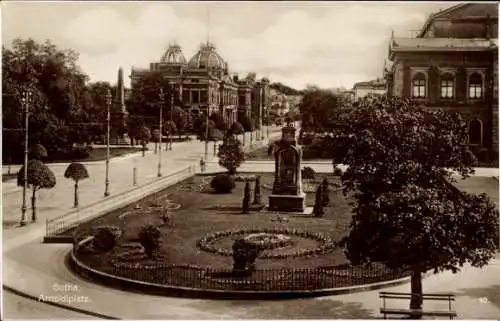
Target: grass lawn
[[205, 212], [99, 154]]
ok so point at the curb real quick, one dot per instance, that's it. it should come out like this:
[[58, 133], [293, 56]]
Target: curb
[[114, 281], [58, 305]]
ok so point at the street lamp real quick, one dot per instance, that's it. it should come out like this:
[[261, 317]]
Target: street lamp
[[108, 120], [26, 100], [161, 133], [171, 86]]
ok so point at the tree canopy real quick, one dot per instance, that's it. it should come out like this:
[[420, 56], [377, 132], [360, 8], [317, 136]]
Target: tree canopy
[[401, 161]]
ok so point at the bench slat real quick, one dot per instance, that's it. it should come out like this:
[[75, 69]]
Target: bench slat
[[424, 294], [418, 312], [424, 297]]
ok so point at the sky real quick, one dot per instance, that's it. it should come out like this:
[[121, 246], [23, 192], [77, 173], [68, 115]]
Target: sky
[[328, 44]]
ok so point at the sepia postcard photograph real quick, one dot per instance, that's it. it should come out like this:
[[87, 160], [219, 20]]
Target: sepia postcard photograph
[[259, 160]]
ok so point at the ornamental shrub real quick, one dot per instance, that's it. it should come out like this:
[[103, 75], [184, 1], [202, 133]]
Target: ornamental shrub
[[246, 199], [105, 238], [325, 192], [337, 171], [318, 202], [150, 239], [257, 196], [223, 183], [308, 173]]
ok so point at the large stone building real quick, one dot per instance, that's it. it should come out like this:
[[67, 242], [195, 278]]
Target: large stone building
[[375, 87], [204, 84], [453, 64]]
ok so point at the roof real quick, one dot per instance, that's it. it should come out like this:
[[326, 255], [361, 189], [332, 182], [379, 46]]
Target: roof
[[374, 84], [433, 16], [460, 11], [442, 44], [173, 55], [207, 57]]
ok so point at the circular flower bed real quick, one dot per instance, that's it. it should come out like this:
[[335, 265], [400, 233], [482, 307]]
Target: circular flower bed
[[270, 239]]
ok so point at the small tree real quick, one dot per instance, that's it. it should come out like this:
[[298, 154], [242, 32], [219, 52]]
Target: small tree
[[150, 239], [231, 154], [257, 196], [246, 199], [318, 203], [180, 120], [38, 152], [39, 176], [237, 129], [325, 192], [144, 136], [156, 139], [76, 172]]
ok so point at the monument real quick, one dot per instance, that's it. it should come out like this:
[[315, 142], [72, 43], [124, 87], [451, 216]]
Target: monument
[[287, 195], [119, 114]]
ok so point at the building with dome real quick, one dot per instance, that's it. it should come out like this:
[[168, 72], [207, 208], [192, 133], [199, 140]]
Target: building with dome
[[203, 83]]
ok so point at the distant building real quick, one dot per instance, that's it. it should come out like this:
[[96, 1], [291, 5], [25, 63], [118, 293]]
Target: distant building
[[453, 64], [369, 88], [202, 84]]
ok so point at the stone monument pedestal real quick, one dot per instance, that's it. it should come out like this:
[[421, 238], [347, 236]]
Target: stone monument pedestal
[[287, 203], [287, 195]]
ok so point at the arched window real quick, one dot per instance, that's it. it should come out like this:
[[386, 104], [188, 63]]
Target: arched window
[[447, 85], [419, 86], [475, 132], [475, 86]]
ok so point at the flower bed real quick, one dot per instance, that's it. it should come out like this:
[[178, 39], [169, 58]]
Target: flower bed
[[206, 243]]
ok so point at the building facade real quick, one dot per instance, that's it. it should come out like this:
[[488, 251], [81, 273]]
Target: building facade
[[203, 83], [369, 88], [453, 65]]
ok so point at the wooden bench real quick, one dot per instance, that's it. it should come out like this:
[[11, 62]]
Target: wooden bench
[[412, 312]]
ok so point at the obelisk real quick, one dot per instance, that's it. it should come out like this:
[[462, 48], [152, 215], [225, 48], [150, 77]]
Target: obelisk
[[119, 125]]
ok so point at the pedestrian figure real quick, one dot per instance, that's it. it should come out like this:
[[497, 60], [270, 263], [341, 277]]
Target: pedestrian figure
[[202, 165]]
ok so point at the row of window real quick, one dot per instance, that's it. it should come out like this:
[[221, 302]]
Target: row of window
[[474, 91]]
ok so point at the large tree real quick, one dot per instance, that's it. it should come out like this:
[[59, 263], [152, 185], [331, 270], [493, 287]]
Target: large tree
[[318, 108], [145, 98], [59, 103], [402, 160]]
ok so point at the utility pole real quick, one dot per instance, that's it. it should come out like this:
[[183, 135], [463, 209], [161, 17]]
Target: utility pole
[[27, 99], [161, 132], [171, 110]]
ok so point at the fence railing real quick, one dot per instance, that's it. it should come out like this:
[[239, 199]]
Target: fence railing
[[70, 220], [269, 280]]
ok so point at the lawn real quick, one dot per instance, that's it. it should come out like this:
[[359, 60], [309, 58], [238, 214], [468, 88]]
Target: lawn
[[203, 212]]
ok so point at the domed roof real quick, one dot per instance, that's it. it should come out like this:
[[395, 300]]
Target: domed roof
[[173, 55], [207, 57]]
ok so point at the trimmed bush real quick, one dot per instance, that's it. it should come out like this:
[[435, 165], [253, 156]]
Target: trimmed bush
[[337, 171], [308, 173], [150, 239], [223, 183], [246, 199], [105, 238]]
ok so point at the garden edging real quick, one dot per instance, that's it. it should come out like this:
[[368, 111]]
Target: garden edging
[[160, 289]]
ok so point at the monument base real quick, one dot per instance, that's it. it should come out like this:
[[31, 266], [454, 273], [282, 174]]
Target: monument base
[[287, 203]]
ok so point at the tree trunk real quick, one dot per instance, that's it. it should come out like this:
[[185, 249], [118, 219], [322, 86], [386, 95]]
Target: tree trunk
[[76, 194], [244, 138], [156, 148], [215, 148], [416, 291], [33, 205], [143, 149]]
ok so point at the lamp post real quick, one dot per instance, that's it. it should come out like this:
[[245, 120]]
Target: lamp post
[[206, 133], [171, 86], [26, 100], [161, 133], [108, 120]]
